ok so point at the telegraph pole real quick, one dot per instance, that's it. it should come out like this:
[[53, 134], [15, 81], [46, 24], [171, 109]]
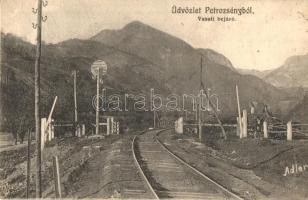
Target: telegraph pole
[[1, 96], [199, 107], [75, 100], [1, 99], [28, 163], [37, 101], [97, 104], [96, 68], [211, 105]]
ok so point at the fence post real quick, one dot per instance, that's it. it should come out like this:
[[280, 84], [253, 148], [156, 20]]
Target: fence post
[[238, 129], [289, 131], [108, 125], [49, 132], [52, 130], [56, 176], [244, 123], [265, 129], [112, 125], [83, 132], [118, 128], [239, 112], [252, 110], [43, 127], [180, 125]]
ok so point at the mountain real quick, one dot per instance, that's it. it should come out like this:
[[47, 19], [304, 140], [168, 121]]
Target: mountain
[[181, 65], [121, 65], [156, 46], [293, 73], [216, 57], [139, 57], [254, 72], [126, 74]]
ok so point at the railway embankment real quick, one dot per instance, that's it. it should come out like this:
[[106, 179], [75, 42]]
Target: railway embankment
[[73, 158]]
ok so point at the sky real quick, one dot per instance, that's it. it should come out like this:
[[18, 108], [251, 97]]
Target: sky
[[277, 29]]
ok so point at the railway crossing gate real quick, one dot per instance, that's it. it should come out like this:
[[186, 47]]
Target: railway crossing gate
[[111, 126], [48, 129]]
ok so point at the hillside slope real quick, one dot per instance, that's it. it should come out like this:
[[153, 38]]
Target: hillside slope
[[126, 74], [181, 65], [216, 57], [299, 112], [293, 73]]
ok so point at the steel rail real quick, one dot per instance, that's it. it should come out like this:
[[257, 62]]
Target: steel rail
[[197, 171], [141, 171]]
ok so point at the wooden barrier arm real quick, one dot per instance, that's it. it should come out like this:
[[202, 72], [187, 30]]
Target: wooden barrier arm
[[51, 111]]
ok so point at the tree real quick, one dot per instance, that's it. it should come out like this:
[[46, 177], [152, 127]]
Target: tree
[[17, 109]]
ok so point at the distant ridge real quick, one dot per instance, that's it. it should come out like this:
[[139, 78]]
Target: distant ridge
[[257, 73], [293, 73]]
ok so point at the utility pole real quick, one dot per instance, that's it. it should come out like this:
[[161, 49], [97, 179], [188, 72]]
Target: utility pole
[[200, 122], [37, 101], [97, 104], [212, 106], [75, 100], [95, 69], [154, 122], [1, 98], [199, 106], [28, 164]]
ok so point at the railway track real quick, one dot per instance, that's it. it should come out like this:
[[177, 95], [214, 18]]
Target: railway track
[[168, 176]]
